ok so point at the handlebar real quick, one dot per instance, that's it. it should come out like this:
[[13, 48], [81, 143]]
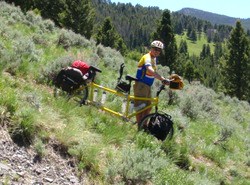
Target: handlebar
[[95, 69], [162, 87]]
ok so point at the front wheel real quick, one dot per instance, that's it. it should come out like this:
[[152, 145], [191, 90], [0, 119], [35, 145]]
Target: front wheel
[[158, 125]]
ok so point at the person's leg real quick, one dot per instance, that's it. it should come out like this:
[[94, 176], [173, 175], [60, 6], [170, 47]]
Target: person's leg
[[141, 115], [142, 90]]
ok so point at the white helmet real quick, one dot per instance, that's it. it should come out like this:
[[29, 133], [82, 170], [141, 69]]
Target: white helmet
[[157, 44]]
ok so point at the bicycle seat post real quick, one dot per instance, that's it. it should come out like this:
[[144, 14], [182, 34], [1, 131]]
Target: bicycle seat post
[[130, 79]]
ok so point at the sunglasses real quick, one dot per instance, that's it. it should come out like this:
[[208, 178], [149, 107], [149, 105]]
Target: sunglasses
[[157, 49]]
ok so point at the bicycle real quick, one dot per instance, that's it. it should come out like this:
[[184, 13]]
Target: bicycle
[[158, 124]]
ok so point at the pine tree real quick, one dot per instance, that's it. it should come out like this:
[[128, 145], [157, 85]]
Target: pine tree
[[218, 51], [189, 72], [166, 35], [193, 36], [109, 37], [183, 48], [80, 17], [105, 34], [236, 69]]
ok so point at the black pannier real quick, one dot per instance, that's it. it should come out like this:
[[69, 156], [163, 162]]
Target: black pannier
[[160, 126], [69, 79]]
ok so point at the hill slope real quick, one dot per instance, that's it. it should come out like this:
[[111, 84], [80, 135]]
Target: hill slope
[[215, 18], [209, 144]]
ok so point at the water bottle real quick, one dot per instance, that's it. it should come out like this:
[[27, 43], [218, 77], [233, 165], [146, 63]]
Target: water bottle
[[131, 108], [104, 95], [124, 103], [140, 107], [95, 95]]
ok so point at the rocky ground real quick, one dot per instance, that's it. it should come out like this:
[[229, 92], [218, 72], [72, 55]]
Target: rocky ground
[[21, 165]]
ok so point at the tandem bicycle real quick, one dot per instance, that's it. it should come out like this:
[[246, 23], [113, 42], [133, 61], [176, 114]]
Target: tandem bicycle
[[158, 123]]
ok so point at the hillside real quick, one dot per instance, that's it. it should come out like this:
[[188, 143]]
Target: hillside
[[215, 18], [194, 48], [48, 140]]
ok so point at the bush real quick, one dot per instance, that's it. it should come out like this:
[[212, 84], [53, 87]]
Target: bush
[[134, 55], [11, 13], [8, 98], [68, 38], [48, 73], [24, 51], [135, 166], [23, 130], [190, 107], [171, 176], [198, 102], [112, 59]]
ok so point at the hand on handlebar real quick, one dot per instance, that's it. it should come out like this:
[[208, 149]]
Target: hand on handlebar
[[165, 81]]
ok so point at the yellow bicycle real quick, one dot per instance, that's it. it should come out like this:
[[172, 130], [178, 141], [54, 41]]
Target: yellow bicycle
[[158, 124]]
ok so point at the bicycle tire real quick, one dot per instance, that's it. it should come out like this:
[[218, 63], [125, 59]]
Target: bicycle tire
[[157, 124]]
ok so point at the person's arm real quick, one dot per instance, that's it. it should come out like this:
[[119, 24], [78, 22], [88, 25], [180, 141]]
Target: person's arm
[[157, 75]]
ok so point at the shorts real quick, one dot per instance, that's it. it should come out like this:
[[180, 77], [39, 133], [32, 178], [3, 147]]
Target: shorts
[[142, 90]]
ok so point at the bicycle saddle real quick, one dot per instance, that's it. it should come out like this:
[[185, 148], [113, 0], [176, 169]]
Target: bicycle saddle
[[131, 78]]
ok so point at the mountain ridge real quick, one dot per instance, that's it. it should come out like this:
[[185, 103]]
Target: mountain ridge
[[214, 18]]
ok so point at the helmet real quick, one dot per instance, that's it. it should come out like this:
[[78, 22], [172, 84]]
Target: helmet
[[157, 44]]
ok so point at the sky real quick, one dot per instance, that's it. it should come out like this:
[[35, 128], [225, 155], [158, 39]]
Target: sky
[[231, 8]]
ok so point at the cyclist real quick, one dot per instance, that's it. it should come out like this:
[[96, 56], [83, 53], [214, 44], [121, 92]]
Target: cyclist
[[146, 73]]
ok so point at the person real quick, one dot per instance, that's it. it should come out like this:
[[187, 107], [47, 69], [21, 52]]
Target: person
[[146, 73]]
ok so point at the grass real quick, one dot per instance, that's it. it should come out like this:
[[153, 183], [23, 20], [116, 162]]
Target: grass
[[210, 144], [194, 48]]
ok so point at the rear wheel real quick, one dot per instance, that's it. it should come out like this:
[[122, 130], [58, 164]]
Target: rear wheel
[[158, 125]]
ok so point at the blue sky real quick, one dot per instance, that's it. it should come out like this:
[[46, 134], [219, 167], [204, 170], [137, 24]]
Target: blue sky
[[231, 8]]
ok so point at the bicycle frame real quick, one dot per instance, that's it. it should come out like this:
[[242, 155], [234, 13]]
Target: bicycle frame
[[127, 97], [87, 94]]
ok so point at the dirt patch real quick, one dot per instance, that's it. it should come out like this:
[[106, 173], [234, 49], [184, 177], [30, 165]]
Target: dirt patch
[[21, 165]]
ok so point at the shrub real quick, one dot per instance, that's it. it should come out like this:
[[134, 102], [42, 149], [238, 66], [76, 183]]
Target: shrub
[[8, 99], [23, 130], [135, 166], [178, 152], [11, 13], [24, 50], [134, 55], [33, 19], [39, 148], [172, 176], [146, 141], [190, 107], [198, 102], [48, 73], [87, 156], [47, 26], [40, 39], [68, 38], [111, 58]]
